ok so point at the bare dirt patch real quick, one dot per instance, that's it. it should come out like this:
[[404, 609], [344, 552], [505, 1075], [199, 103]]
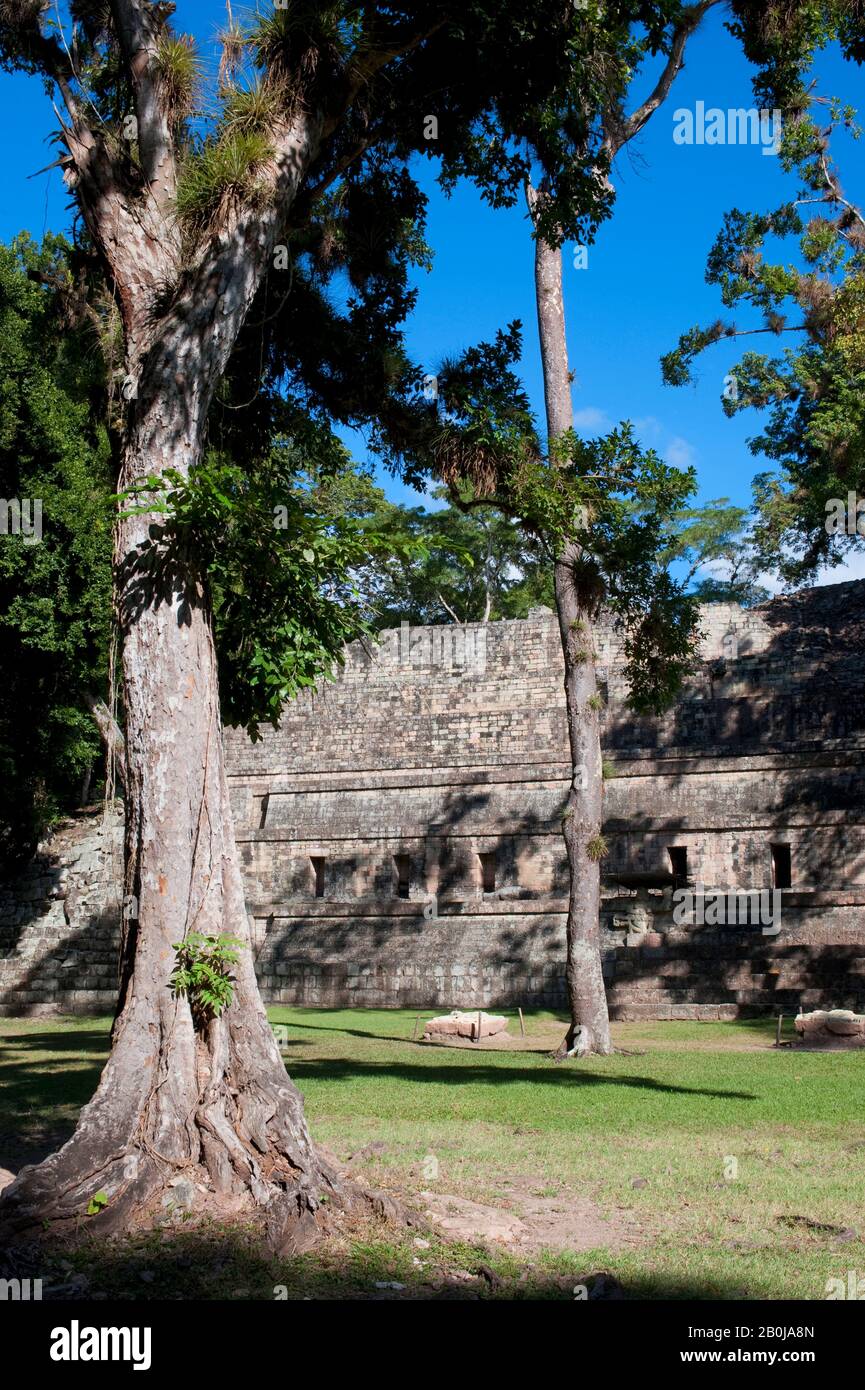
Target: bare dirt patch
[[529, 1222], [628, 1039], [543, 1039]]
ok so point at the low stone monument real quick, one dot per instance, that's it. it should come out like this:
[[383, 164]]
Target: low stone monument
[[831, 1028], [474, 1024]]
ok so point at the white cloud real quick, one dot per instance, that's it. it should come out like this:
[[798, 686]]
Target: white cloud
[[722, 569], [679, 453], [851, 567], [591, 419], [770, 582], [648, 427]]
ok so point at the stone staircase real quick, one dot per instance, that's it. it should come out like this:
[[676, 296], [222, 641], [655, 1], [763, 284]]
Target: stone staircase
[[60, 920], [723, 980]]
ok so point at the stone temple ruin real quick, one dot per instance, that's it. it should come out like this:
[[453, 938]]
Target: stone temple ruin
[[401, 833]]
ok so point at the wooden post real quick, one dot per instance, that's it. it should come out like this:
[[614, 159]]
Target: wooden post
[[778, 1031], [522, 1025], [478, 1038]]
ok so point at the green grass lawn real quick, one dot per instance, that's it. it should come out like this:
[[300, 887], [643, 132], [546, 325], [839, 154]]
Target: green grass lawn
[[650, 1137]]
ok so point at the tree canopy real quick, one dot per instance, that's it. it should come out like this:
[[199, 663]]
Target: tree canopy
[[811, 307], [55, 592]]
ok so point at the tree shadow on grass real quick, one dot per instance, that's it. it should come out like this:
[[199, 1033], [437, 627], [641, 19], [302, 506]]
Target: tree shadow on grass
[[475, 1072], [402, 1038], [291, 1025], [35, 1089], [72, 1041], [41, 1093], [375, 1265]]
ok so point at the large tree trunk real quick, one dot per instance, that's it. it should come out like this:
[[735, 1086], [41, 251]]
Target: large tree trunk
[[577, 599], [210, 1102], [206, 1100]]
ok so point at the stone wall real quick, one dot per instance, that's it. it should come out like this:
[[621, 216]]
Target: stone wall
[[441, 754], [443, 745], [60, 921]]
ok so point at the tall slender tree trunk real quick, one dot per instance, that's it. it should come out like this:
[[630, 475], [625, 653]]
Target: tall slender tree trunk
[[578, 593]]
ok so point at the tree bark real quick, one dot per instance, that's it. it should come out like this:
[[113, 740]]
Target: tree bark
[[578, 593], [215, 1104], [111, 735], [175, 1096], [211, 1102]]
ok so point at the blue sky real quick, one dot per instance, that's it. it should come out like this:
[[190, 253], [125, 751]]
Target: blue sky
[[644, 283]]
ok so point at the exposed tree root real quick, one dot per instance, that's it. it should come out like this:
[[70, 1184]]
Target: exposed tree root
[[193, 1113], [576, 1043], [182, 1119], [240, 1149], [292, 1219]]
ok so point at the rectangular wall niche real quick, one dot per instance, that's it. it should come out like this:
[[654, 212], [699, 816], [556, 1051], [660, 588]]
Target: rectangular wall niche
[[318, 864], [402, 863], [782, 866], [488, 871], [678, 862]]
